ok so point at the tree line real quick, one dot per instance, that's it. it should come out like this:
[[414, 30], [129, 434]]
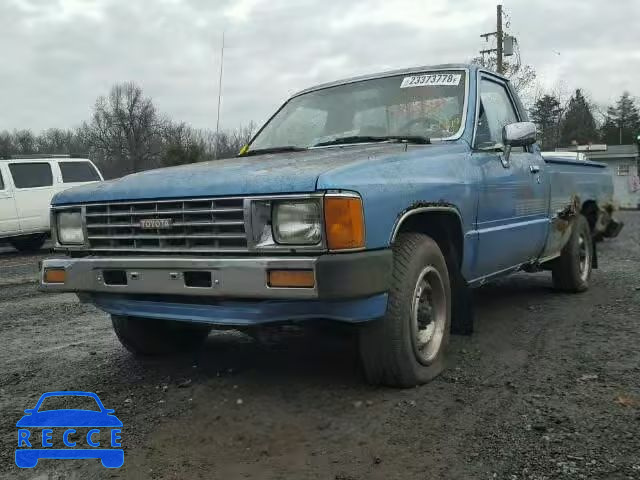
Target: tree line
[[579, 121], [126, 134]]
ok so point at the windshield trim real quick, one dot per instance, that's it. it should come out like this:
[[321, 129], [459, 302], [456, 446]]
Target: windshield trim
[[465, 105]]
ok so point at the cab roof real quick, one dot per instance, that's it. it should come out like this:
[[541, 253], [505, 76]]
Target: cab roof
[[390, 73]]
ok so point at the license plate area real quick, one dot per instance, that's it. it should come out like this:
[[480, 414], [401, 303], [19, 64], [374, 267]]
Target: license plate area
[[115, 277], [158, 280], [198, 279]]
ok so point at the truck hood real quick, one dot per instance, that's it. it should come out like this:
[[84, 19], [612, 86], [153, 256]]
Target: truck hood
[[291, 172]]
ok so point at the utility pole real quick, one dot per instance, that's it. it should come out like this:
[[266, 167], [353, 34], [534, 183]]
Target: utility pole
[[219, 96], [499, 34]]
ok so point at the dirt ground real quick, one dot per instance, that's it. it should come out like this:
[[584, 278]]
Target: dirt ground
[[547, 387]]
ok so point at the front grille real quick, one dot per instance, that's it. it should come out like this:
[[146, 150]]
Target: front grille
[[206, 225]]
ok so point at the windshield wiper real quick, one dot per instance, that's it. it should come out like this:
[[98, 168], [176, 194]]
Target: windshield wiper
[[367, 138], [261, 151]]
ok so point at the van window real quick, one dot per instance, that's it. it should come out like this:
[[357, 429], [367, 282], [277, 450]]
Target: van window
[[78, 172], [1, 182], [31, 175]]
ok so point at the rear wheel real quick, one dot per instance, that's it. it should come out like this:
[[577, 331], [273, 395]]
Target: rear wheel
[[407, 347], [147, 336], [31, 243], [572, 270]]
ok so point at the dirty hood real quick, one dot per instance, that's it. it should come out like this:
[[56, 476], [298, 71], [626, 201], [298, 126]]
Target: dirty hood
[[289, 172]]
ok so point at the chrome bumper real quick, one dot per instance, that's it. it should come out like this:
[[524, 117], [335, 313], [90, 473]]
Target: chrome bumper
[[337, 276]]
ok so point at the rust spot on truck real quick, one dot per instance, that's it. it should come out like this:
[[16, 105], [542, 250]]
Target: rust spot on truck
[[564, 217]]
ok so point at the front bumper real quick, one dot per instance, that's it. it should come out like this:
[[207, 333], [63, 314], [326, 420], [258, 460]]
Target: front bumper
[[349, 287], [337, 276]]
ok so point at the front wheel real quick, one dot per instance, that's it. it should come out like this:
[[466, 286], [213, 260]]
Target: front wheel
[[407, 347], [572, 270], [148, 336]]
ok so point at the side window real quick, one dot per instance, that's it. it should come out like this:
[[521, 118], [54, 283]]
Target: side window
[[31, 175], [1, 181], [496, 111], [78, 172]]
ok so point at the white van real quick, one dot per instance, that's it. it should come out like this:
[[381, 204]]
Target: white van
[[27, 184]]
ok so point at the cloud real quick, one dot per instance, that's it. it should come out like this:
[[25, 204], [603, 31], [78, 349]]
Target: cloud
[[58, 56]]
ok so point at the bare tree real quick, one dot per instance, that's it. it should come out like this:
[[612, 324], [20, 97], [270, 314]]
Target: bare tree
[[125, 128], [24, 141], [59, 141], [6, 144], [181, 144], [225, 144]]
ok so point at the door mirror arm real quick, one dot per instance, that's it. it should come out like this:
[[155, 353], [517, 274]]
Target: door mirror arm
[[505, 157], [503, 150]]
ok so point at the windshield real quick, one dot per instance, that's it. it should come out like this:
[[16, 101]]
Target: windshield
[[426, 105]]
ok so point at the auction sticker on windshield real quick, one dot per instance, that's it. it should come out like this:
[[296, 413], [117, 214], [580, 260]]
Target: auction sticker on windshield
[[435, 80]]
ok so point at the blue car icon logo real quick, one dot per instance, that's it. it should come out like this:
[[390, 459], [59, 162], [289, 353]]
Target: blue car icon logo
[[69, 433]]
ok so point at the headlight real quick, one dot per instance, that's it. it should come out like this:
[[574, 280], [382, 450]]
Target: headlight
[[70, 228], [297, 222]]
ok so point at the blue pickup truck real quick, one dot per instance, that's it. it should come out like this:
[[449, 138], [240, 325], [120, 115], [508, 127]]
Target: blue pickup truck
[[379, 200]]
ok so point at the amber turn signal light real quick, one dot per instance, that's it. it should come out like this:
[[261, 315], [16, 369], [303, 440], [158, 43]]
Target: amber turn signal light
[[291, 279], [55, 275], [344, 222]]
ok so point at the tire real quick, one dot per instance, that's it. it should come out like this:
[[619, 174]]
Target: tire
[[31, 243], [147, 336], [572, 270], [396, 350]]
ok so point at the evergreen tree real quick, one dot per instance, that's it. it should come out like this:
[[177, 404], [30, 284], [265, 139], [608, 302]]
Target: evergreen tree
[[578, 124], [546, 114], [622, 123]]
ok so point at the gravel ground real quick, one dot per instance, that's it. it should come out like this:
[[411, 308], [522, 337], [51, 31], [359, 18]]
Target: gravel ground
[[547, 387], [16, 267]]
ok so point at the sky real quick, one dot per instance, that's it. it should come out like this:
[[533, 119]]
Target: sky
[[58, 56]]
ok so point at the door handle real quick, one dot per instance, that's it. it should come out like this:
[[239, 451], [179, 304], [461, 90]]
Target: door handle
[[534, 169]]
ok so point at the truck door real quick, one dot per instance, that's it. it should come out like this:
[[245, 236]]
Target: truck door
[[512, 221], [9, 224], [33, 182]]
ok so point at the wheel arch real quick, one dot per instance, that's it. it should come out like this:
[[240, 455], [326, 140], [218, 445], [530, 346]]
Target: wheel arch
[[443, 223]]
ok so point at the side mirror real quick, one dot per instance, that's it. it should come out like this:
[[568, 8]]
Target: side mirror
[[520, 134], [29, 410]]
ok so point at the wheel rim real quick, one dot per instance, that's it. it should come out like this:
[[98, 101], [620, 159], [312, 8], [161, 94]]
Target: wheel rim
[[428, 315], [584, 257]]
